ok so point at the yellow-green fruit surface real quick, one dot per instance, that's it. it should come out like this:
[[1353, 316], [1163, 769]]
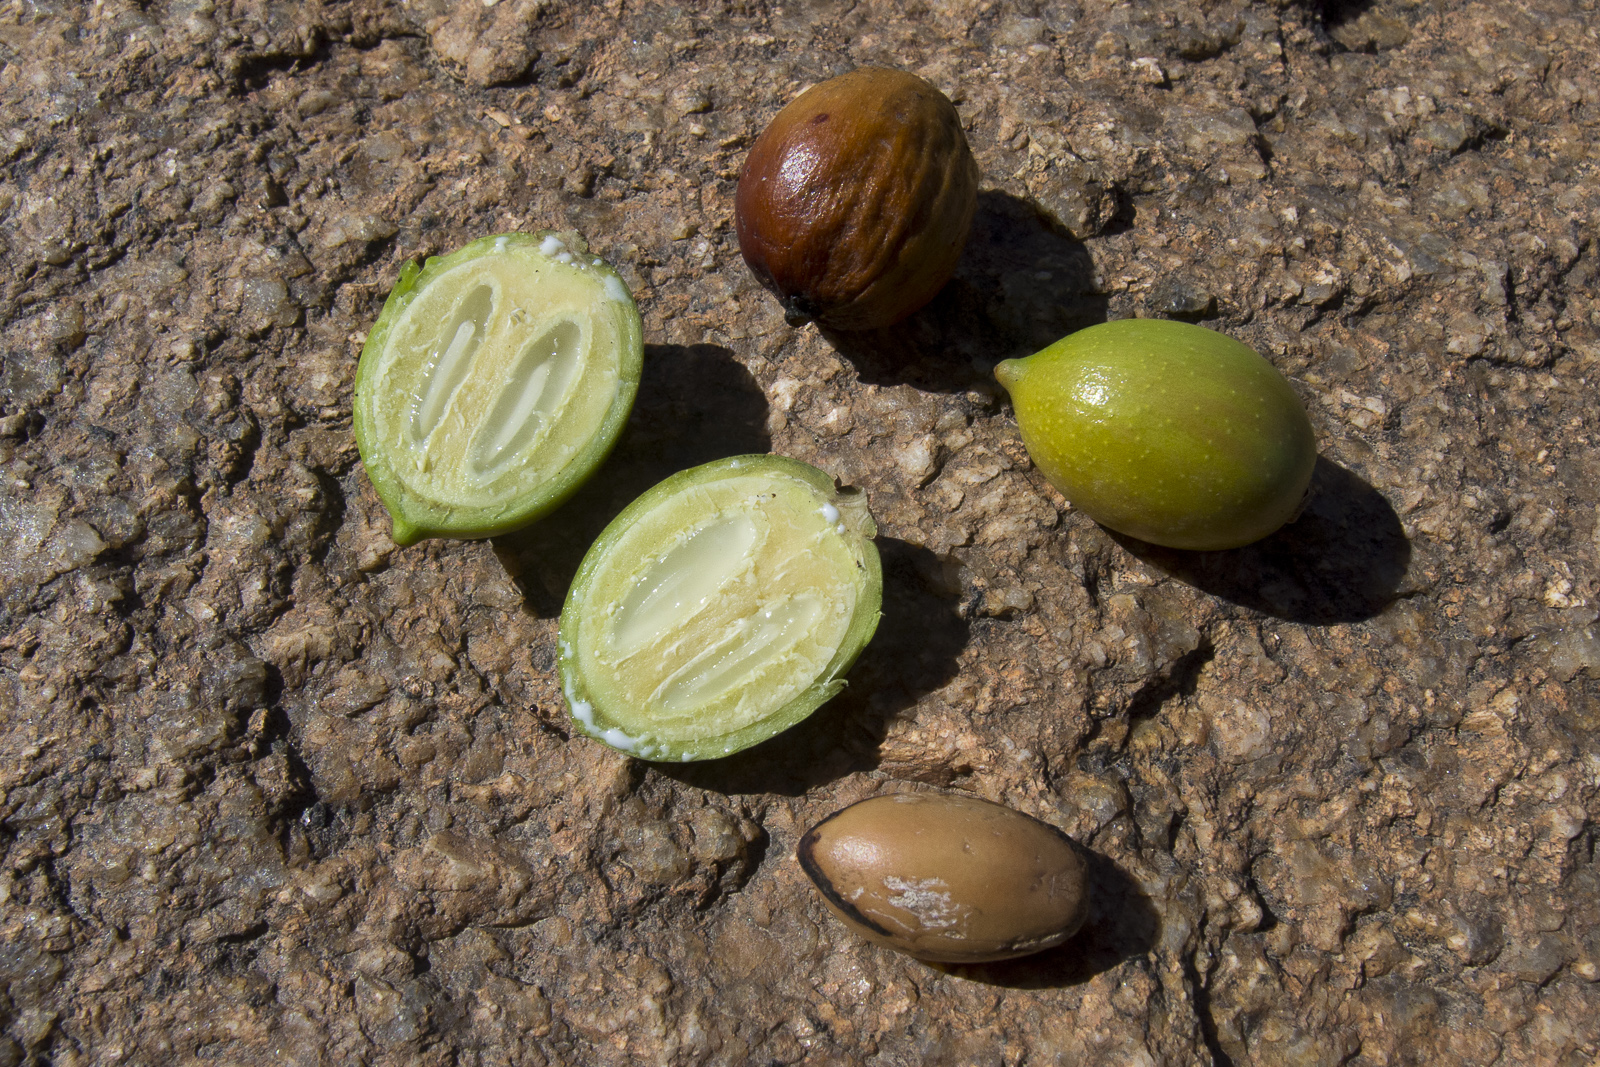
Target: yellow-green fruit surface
[[1165, 431]]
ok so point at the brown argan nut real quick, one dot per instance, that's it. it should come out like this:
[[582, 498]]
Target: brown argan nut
[[854, 204], [948, 878]]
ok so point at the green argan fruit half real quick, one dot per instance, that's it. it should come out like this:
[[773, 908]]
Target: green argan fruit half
[[495, 381], [1168, 432], [721, 607]]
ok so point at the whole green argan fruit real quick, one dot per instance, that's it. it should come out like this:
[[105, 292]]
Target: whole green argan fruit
[[1164, 431], [855, 202]]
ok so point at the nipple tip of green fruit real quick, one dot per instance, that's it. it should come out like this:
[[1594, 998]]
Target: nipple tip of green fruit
[[1008, 372], [404, 533]]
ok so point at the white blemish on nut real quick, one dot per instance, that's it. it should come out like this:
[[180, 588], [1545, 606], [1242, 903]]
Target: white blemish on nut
[[926, 898]]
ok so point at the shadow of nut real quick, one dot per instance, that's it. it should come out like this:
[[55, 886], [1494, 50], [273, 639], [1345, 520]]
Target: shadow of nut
[[948, 878]]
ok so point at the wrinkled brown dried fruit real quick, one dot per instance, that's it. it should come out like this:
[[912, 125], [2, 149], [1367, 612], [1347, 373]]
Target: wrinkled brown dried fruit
[[854, 204], [946, 877]]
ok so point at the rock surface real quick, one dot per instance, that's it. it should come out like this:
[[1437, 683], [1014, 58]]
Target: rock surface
[[274, 791]]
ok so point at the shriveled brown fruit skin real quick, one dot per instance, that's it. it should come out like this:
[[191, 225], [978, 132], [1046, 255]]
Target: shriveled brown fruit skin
[[947, 877], [855, 202]]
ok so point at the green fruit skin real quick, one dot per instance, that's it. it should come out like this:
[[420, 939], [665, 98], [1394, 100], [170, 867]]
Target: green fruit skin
[[414, 520], [864, 623], [1164, 431]]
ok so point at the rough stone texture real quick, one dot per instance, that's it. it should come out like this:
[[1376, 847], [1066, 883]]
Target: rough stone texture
[[274, 791]]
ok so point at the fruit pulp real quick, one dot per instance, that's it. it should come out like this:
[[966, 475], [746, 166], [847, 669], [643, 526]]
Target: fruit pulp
[[718, 609], [495, 381]]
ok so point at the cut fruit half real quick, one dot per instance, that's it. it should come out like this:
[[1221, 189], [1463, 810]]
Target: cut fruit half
[[720, 608], [495, 381]]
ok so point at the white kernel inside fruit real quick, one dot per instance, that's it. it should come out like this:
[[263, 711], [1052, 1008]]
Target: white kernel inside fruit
[[450, 359], [747, 648], [681, 583], [535, 392], [496, 375], [716, 608]]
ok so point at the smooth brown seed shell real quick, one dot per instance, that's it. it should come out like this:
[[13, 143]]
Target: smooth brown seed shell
[[855, 202], [948, 878]]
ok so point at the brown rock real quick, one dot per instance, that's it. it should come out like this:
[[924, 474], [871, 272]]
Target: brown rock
[[1338, 788]]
